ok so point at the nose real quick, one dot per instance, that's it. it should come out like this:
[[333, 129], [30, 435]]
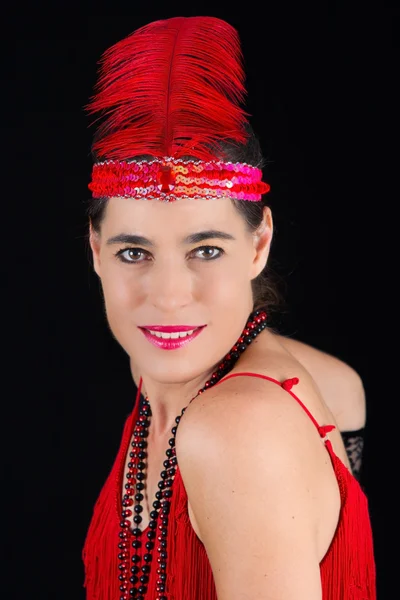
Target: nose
[[170, 286]]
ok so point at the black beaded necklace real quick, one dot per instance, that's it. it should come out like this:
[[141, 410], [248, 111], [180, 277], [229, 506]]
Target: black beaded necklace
[[138, 574]]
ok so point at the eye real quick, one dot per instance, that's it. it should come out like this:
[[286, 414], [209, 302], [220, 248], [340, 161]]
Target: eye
[[132, 255], [208, 252]]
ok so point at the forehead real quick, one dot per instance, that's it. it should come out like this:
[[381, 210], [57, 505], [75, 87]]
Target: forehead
[[181, 217]]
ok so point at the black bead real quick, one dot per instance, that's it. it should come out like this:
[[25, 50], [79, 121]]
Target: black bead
[[169, 453], [159, 495], [135, 569], [149, 545], [139, 497], [138, 508], [142, 444], [135, 559], [153, 524], [157, 504], [177, 419], [142, 589], [163, 555], [163, 565], [171, 442], [136, 544], [128, 486], [147, 558], [254, 334], [146, 569], [137, 532], [144, 579], [151, 535], [141, 465], [142, 455], [173, 430], [140, 486], [137, 519], [166, 463], [242, 347], [154, 514], [123, 534], [164, 522], [161, 587], [134, 579], [163, 474], [140, 476], [235, 355], [161, 485]]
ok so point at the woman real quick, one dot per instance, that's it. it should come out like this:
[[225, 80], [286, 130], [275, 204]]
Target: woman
[[232, 480]]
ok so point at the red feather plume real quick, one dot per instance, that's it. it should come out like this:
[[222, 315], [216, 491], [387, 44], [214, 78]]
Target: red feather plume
[[172, 88]]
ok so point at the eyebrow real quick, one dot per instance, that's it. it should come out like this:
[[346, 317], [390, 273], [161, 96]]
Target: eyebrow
[[193, 238]]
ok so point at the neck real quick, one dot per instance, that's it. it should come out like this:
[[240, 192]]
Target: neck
[[167, 401]]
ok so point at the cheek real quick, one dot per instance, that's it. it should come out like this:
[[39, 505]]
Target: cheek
[[220, 283], [120, 289]]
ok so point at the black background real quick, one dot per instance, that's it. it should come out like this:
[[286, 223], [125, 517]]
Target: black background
[[321, 92]]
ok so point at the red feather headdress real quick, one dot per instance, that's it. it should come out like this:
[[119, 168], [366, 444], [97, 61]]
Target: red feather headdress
[[173, 88]]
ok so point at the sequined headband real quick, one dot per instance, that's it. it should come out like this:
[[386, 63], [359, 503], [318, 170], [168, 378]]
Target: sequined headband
[[169, 179]]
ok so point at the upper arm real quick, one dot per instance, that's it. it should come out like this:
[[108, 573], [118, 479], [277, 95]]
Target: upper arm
[[340, 385], [252, 497]]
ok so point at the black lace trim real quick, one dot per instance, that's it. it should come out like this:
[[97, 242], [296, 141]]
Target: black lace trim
[[354, 444]]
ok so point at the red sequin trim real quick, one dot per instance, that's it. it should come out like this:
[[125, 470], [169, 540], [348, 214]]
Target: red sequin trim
[[169, 179]]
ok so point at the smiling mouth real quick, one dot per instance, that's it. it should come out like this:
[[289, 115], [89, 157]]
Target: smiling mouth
[[173, 335]]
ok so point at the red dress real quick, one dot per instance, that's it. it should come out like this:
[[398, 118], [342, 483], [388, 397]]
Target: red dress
[[347, 569]]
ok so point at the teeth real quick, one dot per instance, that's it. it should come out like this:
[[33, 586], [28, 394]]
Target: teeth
[[172, 336]]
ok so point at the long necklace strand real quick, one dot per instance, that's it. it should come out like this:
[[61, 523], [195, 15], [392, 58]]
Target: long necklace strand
[[138, 574]]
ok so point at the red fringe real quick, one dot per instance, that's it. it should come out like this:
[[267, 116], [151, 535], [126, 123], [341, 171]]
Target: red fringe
[[100, 552], [172, 88], [348, 568]]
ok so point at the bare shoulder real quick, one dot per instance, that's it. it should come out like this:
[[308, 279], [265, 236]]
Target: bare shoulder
[[254, 470], [340, 385]]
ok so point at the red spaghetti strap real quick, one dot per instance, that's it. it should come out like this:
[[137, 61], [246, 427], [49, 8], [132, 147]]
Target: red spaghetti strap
[[287, 386]]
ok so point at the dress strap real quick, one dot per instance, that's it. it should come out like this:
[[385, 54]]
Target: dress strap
[[287, 386]]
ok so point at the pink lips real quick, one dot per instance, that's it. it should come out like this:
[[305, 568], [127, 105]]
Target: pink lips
[[172, 343], [171, 328]]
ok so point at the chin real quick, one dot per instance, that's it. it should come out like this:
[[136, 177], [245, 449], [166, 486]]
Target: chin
[[176, 371]]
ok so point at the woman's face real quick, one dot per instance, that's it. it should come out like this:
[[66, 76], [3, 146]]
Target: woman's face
[[187, 263]]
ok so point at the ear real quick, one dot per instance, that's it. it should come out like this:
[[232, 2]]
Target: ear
[[262, 242], [94, 240]]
